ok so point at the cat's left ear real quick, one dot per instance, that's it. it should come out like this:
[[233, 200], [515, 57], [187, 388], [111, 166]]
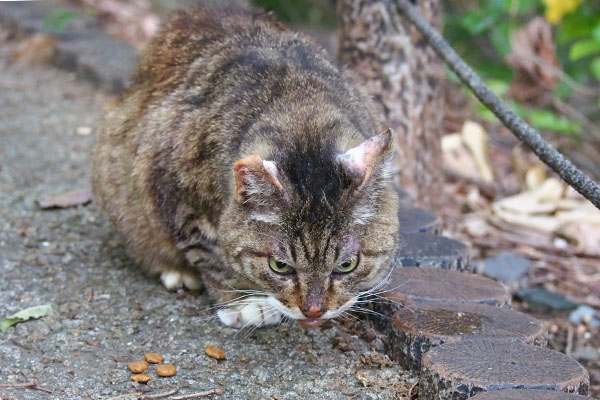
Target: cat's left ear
[[362, 161], [256, 179]]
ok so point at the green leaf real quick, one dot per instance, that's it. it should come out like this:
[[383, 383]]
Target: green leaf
[[550, 121], [500, 37], [596, 32], [26, 314], [574, 26], [583, 48], [57, 19], [595, 68]]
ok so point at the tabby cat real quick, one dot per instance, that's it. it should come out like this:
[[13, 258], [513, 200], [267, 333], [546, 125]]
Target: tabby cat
[[245, 158]]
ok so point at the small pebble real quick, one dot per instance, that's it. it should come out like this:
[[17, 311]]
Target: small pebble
[[215, 352], [84, 130], [165, 370], [140, 378], [137, 367], [153, 358]]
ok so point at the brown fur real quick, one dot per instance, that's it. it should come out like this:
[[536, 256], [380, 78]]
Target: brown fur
[[219, 88]]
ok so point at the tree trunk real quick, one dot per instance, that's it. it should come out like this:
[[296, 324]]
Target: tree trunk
[[405, 78]]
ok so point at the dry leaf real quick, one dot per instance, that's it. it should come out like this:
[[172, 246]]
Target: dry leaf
[[35, 50], [476, 226], [457, 157], [585, 235], [475, 138], [535, 176], [540, 223], [533, 57], [542, 200], [70, 199]]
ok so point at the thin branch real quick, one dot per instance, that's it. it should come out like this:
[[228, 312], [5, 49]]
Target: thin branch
[[573, 113], [158, 395], [142, 396], [546, 152], [121, 396], [199, 394], [28, 385]]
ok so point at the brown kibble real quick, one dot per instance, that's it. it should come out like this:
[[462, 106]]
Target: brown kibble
[[153, 358], [140, 378], [137, 367], [215, 352], [165, 370]]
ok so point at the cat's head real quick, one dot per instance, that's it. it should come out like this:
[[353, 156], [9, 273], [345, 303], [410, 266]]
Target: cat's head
[[314, 231]]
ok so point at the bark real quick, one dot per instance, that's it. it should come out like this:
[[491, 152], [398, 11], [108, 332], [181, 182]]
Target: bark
[[404, 77]]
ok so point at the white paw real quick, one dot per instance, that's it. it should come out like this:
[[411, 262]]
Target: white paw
[[253, 311], [173, 280]]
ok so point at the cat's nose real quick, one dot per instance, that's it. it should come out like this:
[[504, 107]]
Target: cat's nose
[[313, 312]]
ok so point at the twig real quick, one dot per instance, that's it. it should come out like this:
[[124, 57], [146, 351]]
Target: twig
[[29, 385], [199, 394], [573, 113], [546, 152], [569, 346], [412, 388], [158, 395], [142, 396], [121, 396]]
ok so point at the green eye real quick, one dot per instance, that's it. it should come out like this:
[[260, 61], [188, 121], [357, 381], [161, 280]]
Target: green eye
[[279, 266], [347, 266]]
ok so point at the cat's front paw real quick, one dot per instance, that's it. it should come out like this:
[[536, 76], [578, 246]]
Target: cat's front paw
[[252, 311], [174, 279]]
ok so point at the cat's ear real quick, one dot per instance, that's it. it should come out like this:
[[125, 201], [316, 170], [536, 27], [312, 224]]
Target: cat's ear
[[256, 179], [363, 160]]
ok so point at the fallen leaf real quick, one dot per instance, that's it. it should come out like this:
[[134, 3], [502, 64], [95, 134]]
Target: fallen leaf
[[70, 199], [585, 235], [475, 138], [533, 58], [36, 49], [542, 200], [535, 176], [457, 157], [541, 223], [26, 314]]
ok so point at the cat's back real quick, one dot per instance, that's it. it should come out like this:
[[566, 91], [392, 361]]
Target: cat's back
[[205, 37]]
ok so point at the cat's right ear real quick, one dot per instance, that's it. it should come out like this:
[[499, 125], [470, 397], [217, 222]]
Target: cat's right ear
[[362, 161], [256, 180]]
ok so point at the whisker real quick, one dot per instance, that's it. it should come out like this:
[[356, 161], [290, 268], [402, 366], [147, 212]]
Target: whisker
[[264, 314], [367, 311]]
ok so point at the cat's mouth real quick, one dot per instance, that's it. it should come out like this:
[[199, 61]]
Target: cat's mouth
[[312, 322]]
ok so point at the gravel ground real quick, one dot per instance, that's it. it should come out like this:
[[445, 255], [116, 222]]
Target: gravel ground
[[106, 312]]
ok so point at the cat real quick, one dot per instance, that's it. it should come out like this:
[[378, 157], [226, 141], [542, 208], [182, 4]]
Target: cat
[[244, 158]]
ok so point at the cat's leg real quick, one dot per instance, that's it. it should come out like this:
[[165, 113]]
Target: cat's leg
[[250, 311], [161, 257]]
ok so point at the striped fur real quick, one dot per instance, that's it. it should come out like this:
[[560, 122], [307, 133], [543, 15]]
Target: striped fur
[[219, 88]]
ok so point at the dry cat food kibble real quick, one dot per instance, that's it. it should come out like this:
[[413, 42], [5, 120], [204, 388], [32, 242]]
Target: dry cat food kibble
[[165, 370], [137, 367], [153, 358], [140, 378], [215, 352]]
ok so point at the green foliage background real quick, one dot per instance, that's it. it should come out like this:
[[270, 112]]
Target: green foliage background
[[481, 30]]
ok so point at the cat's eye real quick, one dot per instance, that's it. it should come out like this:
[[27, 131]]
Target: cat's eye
[[280, 267], [347, 266]]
